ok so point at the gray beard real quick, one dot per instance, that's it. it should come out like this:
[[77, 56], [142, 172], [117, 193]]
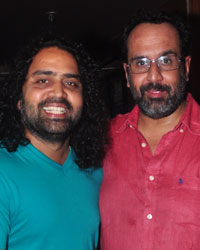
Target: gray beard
[[157, 108]]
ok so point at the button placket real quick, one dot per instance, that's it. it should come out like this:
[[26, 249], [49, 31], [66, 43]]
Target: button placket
[[143, 144], [151, 178], [149, 216]]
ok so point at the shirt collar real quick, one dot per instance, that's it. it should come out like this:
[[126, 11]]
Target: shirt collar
[[190, 117], [128, 120]]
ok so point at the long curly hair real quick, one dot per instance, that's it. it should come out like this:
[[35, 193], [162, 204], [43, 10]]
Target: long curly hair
[[89, 138]]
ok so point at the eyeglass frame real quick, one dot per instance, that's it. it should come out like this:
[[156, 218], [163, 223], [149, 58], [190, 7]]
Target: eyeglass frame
[[179, 59]]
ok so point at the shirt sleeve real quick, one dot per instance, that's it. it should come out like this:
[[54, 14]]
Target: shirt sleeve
[[4, 212]]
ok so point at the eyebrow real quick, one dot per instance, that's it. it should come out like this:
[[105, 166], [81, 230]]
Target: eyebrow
[[169, 52], [48, 72], [137, 57], [165, 53]]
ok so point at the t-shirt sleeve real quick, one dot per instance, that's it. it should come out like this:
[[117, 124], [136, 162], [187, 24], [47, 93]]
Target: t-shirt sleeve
[[4, 212]]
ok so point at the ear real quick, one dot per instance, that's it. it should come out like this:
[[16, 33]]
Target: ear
[[126, 74], [187, 67], [19, 104]]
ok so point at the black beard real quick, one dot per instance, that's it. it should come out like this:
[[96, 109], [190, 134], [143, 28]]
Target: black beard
[[157, 108], [54, 130]]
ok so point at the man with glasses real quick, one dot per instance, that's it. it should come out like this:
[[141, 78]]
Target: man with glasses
[[150, 196]]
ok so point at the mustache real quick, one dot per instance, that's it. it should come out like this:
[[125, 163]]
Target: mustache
[[155, 86], [55, 100]]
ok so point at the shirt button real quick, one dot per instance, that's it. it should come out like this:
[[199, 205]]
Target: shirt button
[[151, 178], [181, 130], [149, 216], [130, 126], [143, 145]]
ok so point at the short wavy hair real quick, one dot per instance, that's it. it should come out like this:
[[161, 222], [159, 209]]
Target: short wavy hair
[[158, 17], [89, 137]]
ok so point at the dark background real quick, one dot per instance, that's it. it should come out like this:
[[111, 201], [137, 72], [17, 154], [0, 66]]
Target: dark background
[[97, 24]]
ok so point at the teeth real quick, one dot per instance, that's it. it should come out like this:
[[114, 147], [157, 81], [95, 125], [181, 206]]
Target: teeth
[[55, 110]]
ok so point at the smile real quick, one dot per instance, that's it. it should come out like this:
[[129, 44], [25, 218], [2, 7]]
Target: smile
[[154, 91], [55, 110]]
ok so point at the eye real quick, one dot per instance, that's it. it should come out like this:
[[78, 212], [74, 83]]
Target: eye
[[42, 81], [69, 83], [166, 60], [140, 62]]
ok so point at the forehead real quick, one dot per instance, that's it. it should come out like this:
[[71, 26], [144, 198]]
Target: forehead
[[149, 39], [54, 59]]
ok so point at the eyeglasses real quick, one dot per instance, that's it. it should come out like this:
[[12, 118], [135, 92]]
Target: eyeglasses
[[164, 63]]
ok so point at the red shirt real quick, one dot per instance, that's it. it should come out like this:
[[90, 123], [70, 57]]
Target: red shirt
[[152, 202]]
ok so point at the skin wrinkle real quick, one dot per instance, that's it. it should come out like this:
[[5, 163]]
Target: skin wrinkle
[[43, 72], [165, 53], [41, 126], [37, 122], [171, 84], [89, 137]]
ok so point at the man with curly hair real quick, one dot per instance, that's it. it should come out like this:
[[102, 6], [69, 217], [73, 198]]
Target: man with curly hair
[[52, 138], [150, 195]]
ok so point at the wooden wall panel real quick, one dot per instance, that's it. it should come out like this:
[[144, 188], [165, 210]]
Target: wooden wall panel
[[194, 7], [177, 6]]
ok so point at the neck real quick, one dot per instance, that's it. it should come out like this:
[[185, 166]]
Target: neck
[[154, 129], [58, 151]]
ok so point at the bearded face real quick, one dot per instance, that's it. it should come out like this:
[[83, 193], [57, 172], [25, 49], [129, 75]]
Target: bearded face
[[160, 107], [48, 128]]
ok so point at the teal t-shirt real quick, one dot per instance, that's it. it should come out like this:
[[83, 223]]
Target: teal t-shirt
[[46, 206]]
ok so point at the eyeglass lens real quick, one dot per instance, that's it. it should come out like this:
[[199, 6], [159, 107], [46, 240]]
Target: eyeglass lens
[[165, 63]]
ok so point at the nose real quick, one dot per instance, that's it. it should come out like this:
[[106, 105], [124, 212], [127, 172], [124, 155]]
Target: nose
[[58, 89], [154, 73]]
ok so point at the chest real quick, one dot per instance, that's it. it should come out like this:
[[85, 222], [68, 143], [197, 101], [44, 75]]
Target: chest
[[55, 204], [157, 195], [176, 152]]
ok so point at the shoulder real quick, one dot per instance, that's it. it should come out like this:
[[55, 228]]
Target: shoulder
[[191, 116], [97, 174], [92, 172], [122, 121], [9, 162], [6, 157], [118, 121]]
